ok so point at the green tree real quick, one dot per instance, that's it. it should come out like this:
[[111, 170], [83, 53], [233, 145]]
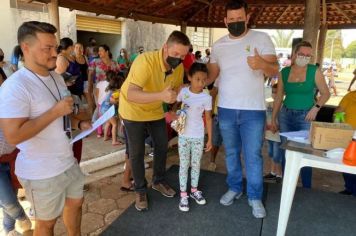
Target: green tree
[[350, 51], [283, 38], [333, 45]]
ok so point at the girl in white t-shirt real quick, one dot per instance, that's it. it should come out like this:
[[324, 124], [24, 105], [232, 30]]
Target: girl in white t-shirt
[[191, 140]]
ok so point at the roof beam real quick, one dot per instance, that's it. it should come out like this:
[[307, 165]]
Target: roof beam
[[286, 2], [191, 16], [203, 1], [138, 6], [210, 9], [343, 13], [280, 16], [257, 15]]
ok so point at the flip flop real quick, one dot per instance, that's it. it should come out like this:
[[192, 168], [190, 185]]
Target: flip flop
[[130, 189]]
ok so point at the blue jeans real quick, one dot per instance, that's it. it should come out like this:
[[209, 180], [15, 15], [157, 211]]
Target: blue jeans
[[294, 120], [274, 151], [12, 209], [350, 183], [242, 130]]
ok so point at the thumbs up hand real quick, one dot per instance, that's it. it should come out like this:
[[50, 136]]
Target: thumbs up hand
[[255, 62], [169, 95]]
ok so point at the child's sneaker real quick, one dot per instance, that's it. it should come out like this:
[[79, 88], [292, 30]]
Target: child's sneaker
[[198, 197], [184, 204]]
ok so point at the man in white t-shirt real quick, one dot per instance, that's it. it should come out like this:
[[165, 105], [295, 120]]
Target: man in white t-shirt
[[241, 59], [31, 116]]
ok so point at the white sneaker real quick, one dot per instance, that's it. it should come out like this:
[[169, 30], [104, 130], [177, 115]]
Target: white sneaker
[[198, 197], [258, 210], [184, 204], [228, 198], [25, 224]]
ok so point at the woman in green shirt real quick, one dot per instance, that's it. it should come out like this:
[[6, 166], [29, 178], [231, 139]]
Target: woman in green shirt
[[298, 83], [123, 61]]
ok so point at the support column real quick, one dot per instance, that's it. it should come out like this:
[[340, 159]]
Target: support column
[[183, 27], [53, 11], [312, 23], [321, 44], [322, 36]]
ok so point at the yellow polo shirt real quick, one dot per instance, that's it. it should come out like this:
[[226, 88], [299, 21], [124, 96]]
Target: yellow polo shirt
[[348, 103], [148, 72]]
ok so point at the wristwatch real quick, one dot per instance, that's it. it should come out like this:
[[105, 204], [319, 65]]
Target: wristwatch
[[317, 106]]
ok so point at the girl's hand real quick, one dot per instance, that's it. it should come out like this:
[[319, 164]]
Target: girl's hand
[[312, 114], [208, 146], [273, 126], [173, 115]]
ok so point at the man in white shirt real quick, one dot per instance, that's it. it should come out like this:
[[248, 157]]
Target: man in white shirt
[[31, 116], [241, 59]]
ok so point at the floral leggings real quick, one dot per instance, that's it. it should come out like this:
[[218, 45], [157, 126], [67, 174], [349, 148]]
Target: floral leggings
[[189, 147]]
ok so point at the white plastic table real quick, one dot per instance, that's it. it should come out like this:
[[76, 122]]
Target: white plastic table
[[296, 159]]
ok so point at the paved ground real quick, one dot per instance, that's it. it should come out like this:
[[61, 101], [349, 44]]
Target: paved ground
[[104, 201]]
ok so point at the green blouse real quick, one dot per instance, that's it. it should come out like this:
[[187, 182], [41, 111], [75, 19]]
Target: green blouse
[[299, 95]]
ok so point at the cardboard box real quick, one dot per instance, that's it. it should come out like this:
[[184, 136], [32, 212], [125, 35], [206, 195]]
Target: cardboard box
[[330, 135]]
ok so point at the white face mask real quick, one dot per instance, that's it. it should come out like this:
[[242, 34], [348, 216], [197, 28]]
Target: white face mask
[[302, 61], [122, 54]]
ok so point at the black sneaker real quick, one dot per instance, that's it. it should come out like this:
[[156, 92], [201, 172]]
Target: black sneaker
[[184, 204], [278, 179], [270, 176], [345, 192], [198, 197]]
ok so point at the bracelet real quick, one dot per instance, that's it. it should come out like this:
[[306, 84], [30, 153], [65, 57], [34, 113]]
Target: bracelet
[[79, 123], [317, 106]]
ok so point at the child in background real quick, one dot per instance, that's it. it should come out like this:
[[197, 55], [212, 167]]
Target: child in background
[[100, 95], [112, 98], [191, 140], [274, 141]]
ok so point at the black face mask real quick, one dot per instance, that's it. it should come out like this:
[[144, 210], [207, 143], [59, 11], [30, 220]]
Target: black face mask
[[236, 28], [1, 58], [173, 62]]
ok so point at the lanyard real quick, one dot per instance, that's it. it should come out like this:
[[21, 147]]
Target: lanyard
[[55, 98]]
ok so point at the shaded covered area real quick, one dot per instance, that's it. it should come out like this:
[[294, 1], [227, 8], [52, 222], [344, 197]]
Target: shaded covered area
[[271, 14]]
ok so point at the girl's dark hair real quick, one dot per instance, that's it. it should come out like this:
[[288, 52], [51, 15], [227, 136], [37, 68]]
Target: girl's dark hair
[[31, 28], [197, 67], [105, 47], [64, 44], [17, 52], [115, 80], [235, 5]]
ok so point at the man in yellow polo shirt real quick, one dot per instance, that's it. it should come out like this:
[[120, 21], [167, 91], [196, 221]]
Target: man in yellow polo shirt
[[153, 80]]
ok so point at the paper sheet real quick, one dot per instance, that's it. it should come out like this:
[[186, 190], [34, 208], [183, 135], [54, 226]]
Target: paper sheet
[[105, 117], [301, 136]]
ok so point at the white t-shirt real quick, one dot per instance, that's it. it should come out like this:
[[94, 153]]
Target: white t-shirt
[[101, 86], [49, 153], [195, 105], [240, 87]]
